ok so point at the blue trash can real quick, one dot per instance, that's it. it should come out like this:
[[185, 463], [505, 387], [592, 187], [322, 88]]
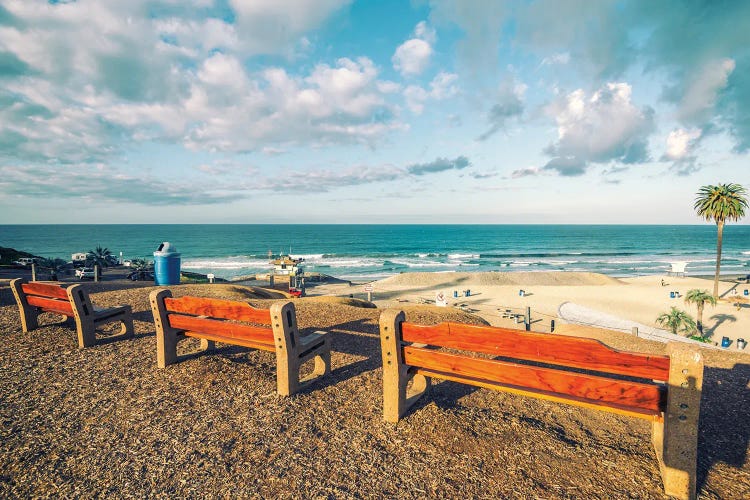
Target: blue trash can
[[166, 265], [455, 294], [746, 292], [671, 295], [725, 342]]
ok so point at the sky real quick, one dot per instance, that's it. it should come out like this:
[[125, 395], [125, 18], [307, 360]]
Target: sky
[[388, 112]]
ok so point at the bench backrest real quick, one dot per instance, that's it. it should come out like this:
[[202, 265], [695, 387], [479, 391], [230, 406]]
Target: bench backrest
[[205, 316], [578, 370], [53, 298]]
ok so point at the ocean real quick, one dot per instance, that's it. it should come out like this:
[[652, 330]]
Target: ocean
[[369, 252]]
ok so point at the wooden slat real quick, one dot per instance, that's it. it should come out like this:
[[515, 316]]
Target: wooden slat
[[51, 305], [577, 352], [228, 331], [240, 342], [583, 403], [625, 394], [216, 308], [45, 290]]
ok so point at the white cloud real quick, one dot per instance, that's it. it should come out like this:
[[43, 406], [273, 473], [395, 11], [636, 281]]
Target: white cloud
[[526, 172], [604, 127], [425, 32], [332, 104], [388, 87], [561, 58], [89, 89], [415, 98], [509, 104], [441, 87], [413, 56], [680, 143], [699, 97], [277, 26], [698, 52]]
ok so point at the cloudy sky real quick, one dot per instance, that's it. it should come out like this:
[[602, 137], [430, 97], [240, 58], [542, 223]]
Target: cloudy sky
[[340, 111]]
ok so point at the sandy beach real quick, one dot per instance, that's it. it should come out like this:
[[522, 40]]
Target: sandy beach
[[105, 420], [634, 301]]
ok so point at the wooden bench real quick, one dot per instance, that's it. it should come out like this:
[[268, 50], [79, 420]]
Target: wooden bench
[[663, 389], [214, 320], [34, 298]]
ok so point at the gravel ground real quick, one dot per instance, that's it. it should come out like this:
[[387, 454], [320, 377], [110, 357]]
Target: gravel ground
[[105, 421]]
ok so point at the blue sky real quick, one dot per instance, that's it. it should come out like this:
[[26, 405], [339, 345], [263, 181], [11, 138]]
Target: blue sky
[[336, 111]]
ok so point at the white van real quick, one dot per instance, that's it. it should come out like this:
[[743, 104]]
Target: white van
[[25, 261]]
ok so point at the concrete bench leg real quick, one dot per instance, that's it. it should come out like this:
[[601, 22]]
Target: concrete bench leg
[[86, 334], [321, 356], [396, 377], [166, 337], [675, 439], [127, 329], [291, 350], [29, 314]]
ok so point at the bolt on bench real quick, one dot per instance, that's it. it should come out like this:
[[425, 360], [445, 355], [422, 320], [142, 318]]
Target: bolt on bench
[[215, 320], [34, 298], [663, 389]]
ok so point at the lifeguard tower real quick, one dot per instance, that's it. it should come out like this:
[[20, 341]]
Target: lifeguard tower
[[287, 268]]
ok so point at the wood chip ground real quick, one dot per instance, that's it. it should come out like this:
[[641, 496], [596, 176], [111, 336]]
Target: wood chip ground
[[105, 421]]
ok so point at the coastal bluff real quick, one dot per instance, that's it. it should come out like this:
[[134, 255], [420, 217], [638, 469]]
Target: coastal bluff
[[213, 425]]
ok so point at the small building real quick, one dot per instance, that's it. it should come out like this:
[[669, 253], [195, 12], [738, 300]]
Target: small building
[[78, 257], [285, 265]]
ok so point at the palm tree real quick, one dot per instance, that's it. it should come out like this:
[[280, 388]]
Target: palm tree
[[54, 265], [677, 320], [99, 256], [699, 298], [720, 203], [141, 265]]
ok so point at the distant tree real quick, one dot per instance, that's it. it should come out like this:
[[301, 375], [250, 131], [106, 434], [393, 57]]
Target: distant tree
[[699, 298], [721, 203], [99, 256], [54, 265], [677, 321], [141, 268], [141, 265]]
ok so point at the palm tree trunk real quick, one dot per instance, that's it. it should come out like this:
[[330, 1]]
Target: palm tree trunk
[[719, 236], [700, 319]]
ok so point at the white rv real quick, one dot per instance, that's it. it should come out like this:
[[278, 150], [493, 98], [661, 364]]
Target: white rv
[[78, 259]]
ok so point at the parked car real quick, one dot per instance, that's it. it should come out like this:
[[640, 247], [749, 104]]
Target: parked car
[[85, 273], [25, 261], [141, 276]]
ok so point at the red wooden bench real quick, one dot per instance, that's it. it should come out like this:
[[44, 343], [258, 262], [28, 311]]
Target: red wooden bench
[[34, 298], [663, 389], [238, 323]]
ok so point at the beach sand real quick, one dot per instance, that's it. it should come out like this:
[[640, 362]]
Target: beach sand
[[105, 420], [637, 300]]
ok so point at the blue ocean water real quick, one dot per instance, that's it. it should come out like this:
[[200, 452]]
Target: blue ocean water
[[366, 252]]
